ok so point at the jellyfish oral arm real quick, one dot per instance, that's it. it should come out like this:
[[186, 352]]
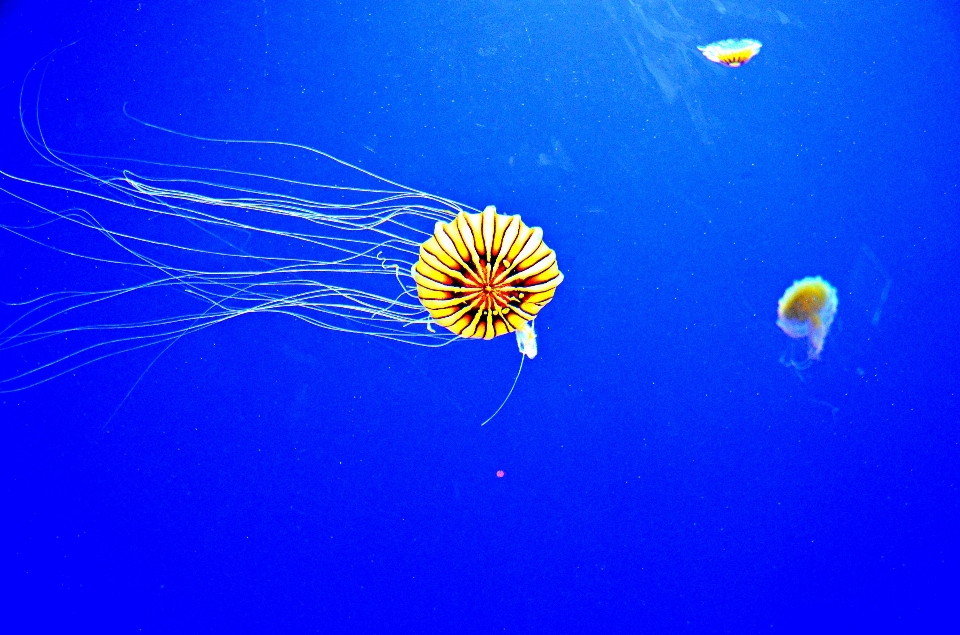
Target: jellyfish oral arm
[[527, 340]]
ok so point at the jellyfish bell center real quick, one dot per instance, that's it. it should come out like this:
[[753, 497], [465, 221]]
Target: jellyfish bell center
[[807, 304], [494, 296]]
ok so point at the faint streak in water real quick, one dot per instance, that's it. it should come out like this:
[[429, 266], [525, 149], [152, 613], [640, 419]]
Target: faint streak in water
[[556, 157], [523, 19], [872, 257]]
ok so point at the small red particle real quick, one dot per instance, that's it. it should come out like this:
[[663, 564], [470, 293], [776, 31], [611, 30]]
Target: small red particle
[[500, 473]]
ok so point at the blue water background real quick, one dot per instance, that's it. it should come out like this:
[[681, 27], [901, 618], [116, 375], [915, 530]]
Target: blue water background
[[663, 471]]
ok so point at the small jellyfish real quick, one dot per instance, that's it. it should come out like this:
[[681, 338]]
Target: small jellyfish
[[500, 474], [732, 53], [806, 310]]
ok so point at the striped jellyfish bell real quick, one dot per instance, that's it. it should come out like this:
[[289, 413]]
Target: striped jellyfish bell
[[484, 275]]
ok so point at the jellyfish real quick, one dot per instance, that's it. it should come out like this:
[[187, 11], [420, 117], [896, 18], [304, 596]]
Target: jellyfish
[[732, 53], [483, 275], [195, 246], [806, 310]]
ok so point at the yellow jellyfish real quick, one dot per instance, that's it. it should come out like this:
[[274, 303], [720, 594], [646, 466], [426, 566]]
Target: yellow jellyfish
[[732, 53], [483, 275], [806, 310], [187, 247]]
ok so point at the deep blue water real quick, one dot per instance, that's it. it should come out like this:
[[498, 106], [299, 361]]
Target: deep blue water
[[664, 472]]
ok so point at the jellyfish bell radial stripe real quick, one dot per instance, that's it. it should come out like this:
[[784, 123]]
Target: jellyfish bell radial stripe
[[484, 275]]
